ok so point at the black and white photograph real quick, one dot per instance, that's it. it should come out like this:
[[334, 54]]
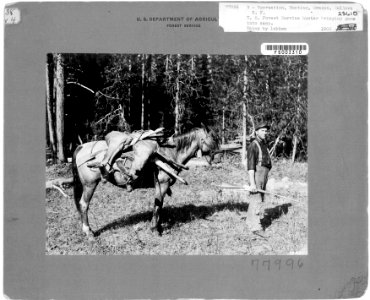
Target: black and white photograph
[[185, 150], [176, 154]]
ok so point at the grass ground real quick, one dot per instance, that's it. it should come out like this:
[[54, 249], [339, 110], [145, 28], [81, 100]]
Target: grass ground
[[198, 219]]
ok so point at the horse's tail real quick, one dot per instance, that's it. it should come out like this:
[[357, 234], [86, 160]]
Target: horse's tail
[[77, 184]]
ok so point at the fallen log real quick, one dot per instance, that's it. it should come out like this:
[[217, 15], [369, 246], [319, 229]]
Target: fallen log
[[58, 184]]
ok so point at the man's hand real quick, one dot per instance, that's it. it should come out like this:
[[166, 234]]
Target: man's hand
[[253, 188]]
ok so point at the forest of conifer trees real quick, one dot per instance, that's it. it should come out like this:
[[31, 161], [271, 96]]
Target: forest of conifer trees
[[89, 95]]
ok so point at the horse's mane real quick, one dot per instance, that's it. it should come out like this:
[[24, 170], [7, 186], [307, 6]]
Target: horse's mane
[[184, 141]]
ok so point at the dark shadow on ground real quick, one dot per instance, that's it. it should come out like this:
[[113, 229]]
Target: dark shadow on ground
[[187, 213], [274, 213]]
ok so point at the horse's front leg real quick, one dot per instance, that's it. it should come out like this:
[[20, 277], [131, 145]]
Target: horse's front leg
[[160, 191]]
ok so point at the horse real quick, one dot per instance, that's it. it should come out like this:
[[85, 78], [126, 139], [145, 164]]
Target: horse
[[86, 179]]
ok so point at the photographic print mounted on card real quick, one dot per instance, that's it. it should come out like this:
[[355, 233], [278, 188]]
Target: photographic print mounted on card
[[210, 150]]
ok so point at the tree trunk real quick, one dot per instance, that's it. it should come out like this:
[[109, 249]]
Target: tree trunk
[[244, 149], [209, 69], [167, 83], [49, 105], [245, 83], [59, 75], [209, 77], [167, 62], [223, 125], [295, 137], [142, 91], [245, 107], [272, 150], [129, 90], [295, 142], [151, 78], [177, 96]]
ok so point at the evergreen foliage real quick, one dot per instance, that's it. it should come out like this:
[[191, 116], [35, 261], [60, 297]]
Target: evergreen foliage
[[106, 92]]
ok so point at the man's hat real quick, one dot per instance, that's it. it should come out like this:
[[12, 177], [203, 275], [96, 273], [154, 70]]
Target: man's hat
[[262, 125]]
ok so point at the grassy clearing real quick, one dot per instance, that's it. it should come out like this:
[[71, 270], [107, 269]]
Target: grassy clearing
[[198, 219]]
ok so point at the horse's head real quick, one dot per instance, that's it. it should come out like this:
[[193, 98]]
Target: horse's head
[[197, 139], [208, 142]]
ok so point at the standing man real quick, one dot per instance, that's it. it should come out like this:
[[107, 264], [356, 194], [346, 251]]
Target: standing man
[[259, 165]]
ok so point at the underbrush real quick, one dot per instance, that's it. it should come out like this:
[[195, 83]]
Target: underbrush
[[198, 219]]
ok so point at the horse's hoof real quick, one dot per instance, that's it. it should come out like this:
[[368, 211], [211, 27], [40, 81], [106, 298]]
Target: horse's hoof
[[104, 180], [91, 238], [88, 232], [158, 229]]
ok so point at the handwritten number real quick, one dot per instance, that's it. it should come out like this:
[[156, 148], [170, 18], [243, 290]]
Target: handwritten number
[[268, 264], [278, 262], [290, 263], [253, 262], [300, 263]]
